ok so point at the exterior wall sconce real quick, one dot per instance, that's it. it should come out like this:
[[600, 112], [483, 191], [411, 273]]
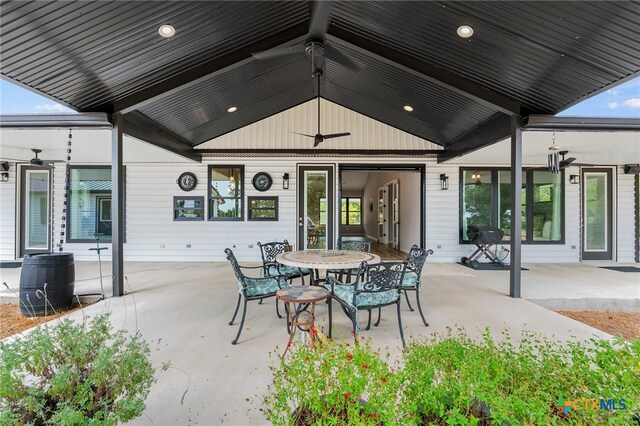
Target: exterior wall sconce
[[4, 171], [444, 182], [575, 179], [285, 181]]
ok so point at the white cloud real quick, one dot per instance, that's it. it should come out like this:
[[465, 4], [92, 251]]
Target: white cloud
[[49, 108], [633, 103], [612, 105], [612, 91]]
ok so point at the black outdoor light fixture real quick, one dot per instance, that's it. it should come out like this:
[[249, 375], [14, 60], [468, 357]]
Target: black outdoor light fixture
[[575, 179], [444, 182], [285, 181]]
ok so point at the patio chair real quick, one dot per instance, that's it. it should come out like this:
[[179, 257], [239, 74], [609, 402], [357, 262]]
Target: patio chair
[[252, 289], [375, 286], [269, 251], [411, 280], [364, 246]]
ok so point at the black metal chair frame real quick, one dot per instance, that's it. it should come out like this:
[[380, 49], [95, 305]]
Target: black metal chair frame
[[377, 278], [237, 269], [363, 246], [269, 251], [415, 262]]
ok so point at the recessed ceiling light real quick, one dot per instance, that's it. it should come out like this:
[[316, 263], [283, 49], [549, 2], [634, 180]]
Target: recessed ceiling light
[[465, 31], [166, 31], [408, 108], [232, 109]]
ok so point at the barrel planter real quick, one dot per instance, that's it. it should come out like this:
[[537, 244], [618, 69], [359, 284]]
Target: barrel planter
[[57, 271]]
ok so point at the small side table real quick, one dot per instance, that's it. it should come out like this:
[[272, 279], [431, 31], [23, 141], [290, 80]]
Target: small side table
[[303, 316]]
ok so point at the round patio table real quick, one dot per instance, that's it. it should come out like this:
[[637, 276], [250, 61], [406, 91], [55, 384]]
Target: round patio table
[[314, 260]]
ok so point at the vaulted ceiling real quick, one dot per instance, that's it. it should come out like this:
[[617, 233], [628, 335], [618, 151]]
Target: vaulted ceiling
[[524, 58]]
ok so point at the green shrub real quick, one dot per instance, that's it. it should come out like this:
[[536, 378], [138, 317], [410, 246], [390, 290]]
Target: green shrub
[[455, 380], [343, 383], [74, 374]]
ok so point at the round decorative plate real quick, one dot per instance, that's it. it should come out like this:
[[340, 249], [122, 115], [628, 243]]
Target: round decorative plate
[[262, 181], [187, 181]]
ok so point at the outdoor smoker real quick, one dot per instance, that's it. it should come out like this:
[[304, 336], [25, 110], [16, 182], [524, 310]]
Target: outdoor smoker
[[483, 238]]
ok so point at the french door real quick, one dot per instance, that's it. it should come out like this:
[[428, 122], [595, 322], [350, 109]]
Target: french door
[[35, 210], [597, 214], [316, 207]]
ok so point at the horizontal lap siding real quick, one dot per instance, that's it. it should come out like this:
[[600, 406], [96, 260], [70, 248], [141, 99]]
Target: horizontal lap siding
[[626, 217], [8, 216]]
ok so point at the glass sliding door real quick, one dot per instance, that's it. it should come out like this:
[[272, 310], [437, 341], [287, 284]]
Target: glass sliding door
[[596, 214], [315, 207], [35, 217]]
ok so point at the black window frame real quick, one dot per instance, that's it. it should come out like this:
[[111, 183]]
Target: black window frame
[[347, 211], [68, 219], [188, 219], [263, 219], [528, 197], [240, 197]]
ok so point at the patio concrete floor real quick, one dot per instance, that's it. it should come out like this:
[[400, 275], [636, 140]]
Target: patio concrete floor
[[182, 310]]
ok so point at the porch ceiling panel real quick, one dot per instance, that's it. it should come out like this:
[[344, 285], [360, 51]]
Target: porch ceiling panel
[[258, 89], [95, 53], [545, 55], [438, 114], [525, 57]]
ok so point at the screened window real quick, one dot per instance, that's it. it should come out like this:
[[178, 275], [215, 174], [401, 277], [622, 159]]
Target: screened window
[[351, 211], [89, 203], [226, 192], [486, 201], [263, 208]]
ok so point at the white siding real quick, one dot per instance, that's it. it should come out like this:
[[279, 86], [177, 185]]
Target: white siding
[[276, 132], [625, 225], [8, 215]]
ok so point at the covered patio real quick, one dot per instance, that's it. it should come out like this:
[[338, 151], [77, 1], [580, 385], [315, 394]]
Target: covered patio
[[182, 310]]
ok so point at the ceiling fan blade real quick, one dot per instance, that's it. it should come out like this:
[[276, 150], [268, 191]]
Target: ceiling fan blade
[[565, 163], [336, 135], [279, 51], [12, 159], [304, 134], [340, 58], [319, 20]]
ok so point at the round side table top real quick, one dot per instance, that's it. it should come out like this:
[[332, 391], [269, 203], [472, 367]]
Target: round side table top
[[326, 259], [300, 294]]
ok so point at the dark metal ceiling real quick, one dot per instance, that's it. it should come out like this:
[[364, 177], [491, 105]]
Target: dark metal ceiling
[[525, 58]]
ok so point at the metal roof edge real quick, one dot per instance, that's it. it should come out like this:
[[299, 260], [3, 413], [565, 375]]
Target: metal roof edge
[[98, 120], [552, 122]]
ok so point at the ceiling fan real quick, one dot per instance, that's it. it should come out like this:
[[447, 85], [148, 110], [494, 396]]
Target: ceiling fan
[[319, 137], [35, 161], [315, 45]]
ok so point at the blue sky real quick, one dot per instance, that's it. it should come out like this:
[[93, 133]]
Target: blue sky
[[620, 101]]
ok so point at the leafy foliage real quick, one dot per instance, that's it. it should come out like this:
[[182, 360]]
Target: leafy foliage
[[74, 374], [455, 380]]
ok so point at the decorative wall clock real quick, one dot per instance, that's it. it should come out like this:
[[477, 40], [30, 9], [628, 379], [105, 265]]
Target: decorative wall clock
[[187, 181], [262, 181]]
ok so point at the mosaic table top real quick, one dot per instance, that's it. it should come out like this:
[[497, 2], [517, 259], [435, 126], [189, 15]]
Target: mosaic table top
[[299, 294], [326, 259]]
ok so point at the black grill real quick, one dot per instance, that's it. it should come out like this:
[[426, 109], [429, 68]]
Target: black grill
[[483, 238]]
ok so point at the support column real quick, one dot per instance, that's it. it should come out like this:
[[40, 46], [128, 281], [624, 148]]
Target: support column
[[515, 273], [117, 206]]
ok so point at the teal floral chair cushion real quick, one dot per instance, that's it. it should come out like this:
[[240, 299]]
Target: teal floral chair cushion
[[260, 286], [364, 300], [288, 271], [410, 280]]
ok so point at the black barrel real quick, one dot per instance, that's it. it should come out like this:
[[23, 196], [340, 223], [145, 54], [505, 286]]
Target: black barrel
[[57, 271]]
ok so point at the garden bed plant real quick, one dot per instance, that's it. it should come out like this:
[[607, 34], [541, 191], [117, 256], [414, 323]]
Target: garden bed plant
[[456, 380], [74, 373]]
